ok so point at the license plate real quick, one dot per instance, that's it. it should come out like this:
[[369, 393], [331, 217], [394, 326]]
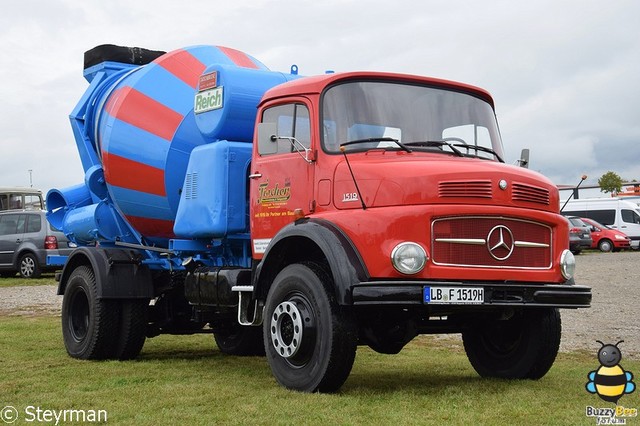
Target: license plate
[[453, 295]]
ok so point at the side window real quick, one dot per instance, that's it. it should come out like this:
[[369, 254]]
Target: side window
[[605, 217], [22, 221], [291, 120], [630, 216], [33, 223], [8, 224]]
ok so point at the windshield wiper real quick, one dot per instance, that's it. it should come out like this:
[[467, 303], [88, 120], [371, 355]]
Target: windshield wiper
[[480, 148], [382, 139], [436, 143]]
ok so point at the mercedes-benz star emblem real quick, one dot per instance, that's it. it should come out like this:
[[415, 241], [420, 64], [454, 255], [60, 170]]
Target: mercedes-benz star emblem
[[500, 242]]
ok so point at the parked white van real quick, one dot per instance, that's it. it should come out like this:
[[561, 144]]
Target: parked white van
[[616, 213]]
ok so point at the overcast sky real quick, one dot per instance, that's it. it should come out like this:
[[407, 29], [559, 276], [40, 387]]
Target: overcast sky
[[565, 75]]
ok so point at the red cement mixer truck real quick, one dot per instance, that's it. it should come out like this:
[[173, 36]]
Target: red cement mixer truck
[[302, 217]]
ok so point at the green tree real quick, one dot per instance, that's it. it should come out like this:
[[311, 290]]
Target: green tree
[[610, 182]]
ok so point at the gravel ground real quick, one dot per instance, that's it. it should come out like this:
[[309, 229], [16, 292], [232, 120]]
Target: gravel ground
[[613, 316]]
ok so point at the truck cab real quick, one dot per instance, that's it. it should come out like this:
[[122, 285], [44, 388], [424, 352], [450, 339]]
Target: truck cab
[[395, 188]]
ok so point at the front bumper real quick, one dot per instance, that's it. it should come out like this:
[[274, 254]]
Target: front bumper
[[496, 294]]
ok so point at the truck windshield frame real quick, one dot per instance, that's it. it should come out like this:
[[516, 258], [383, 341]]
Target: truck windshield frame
[[409, 113]]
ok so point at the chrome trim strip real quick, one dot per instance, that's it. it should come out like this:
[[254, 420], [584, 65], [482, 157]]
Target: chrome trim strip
[[530, 244], [474, 241]]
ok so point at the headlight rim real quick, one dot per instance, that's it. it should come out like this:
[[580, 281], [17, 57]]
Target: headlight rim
[[567, 264], [396, 262]]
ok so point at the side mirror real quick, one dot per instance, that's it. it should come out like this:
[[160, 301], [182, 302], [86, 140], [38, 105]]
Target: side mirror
[[524, 158], [267, 142]]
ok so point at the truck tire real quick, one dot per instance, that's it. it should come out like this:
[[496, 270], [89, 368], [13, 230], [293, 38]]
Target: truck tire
[[89, 324], [28, 266], [605, 245], [241, 341], [523, 347], [309, 340], [133, 328]]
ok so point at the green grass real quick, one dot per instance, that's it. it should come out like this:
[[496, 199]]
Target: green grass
[[44, 279], [186, 380]]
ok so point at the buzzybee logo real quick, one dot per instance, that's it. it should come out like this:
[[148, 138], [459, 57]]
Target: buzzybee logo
[[610, 382]]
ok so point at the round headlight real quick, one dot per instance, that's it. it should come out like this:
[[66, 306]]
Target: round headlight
[[567, 264], [408, 258]]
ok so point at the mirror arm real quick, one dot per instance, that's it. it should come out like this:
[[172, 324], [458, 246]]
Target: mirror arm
[[308, 154]]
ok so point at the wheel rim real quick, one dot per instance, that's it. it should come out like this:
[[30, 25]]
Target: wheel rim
[[79, 315], [292, 330], [27, 266], [605, 246]]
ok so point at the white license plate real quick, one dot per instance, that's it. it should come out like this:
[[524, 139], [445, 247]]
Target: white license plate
[[453, 295]]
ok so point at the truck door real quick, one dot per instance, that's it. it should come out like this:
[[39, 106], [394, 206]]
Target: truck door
[[281, 177]]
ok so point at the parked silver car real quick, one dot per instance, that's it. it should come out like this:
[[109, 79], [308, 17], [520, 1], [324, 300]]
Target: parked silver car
[[26, 239]]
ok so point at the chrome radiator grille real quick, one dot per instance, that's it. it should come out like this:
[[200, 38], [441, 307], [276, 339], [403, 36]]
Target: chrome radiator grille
[[492, 242]]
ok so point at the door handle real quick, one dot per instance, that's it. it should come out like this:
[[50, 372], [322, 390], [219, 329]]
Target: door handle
[[255, 175]]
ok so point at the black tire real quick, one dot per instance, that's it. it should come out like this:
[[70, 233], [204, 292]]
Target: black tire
[[310, 340], [241, 341], [605, 245], [89, 324], [28, 266], [523, 347], [133, 328]]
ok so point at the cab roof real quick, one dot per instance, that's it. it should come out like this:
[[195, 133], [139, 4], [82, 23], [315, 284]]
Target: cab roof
[[316, 84]]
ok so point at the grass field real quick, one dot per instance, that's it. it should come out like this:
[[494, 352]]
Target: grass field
[[44, 279], [186, 380]]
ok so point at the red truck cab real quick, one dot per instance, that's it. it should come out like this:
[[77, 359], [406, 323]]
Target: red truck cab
[[392, 191]]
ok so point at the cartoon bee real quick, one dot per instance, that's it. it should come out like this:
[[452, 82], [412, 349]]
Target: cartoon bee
[[610, 381]]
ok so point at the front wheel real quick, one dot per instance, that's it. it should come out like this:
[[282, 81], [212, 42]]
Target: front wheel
[[522, 347], [605, 245], [310, 341]]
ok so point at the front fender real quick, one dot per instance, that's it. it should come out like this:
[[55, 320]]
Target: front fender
[[315, 240]]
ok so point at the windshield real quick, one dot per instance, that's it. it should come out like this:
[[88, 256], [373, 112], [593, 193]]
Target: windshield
[[417, 116]]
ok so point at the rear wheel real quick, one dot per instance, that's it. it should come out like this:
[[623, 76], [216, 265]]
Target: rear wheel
[[241, 340], [89, 324], [132, 328], [522, 347], [310, 340], [28, 266], [605, 245]]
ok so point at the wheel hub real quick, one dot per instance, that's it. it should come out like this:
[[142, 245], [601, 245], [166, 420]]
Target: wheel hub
[[286, 329]]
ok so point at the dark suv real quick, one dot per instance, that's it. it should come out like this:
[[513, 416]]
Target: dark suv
[[26, 239]]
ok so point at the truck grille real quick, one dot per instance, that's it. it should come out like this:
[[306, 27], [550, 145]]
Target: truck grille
[[491, 242], [473, 189], [531, 194]]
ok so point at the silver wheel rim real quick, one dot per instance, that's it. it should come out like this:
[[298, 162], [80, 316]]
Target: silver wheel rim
[[27, 266], [286, 329]]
